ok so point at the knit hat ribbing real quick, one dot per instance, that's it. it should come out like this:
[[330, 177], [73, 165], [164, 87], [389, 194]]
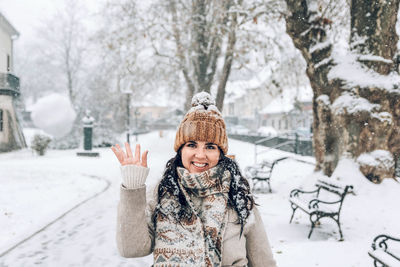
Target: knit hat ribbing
[[203, 122]]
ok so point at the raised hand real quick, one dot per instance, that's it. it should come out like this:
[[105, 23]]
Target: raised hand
[[128, 158]]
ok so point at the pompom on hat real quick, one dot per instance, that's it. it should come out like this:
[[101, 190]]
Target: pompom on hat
[[203, 122]]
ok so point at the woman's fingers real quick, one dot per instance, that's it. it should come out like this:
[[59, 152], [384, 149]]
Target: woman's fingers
[[120, 151], [127, 158], [144, 158], [128, 150], [137, 153], [117, 153]]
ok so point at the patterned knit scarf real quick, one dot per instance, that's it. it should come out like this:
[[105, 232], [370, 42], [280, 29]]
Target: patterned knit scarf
[[198, 241]]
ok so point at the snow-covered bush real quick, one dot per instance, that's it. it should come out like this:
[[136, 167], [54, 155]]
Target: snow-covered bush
[[267, 131], [376, 164], [40, 142]]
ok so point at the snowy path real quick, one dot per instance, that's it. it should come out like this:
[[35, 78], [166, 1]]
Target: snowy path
[[17, 245], [84, 237]]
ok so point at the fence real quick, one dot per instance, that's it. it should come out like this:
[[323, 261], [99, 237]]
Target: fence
[[293, 143]]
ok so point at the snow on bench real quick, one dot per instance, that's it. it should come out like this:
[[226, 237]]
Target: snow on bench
[[381, 252], [325, 201], [261, 173]]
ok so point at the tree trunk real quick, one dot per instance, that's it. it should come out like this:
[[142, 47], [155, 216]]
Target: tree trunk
[[190, 91], [355, 116], [200, 41], [198, 60], [376, 23], [226, 69]]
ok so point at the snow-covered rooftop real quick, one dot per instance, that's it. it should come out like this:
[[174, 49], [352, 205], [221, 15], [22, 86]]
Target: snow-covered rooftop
[[237, 89], [284, 102]]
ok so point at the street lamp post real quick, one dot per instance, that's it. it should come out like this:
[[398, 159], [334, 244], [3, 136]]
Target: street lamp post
[[128, 115], [137, 113]]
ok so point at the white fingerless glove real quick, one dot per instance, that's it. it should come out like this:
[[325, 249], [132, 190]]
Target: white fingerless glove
[[134, 176]]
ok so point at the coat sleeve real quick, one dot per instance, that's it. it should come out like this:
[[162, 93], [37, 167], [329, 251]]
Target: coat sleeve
[[135, 236], [259, 253]]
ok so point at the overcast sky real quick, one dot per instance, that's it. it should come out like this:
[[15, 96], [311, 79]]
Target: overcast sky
[[27, 15]]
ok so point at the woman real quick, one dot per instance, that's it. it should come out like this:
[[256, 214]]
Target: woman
[[204, 214]]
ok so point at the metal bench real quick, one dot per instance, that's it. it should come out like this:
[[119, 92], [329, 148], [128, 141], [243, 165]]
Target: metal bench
[[261, 173], [382, 254], [325, 201]]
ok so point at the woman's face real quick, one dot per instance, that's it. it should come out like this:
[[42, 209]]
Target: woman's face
[[199, 156]]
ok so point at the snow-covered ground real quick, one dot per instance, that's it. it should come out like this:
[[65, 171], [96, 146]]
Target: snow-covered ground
[[64, 207]]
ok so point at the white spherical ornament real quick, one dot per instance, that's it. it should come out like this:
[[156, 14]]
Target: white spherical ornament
[[53, 114]]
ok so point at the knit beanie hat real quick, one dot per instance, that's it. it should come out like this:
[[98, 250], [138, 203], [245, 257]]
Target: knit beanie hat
[[203, 122]]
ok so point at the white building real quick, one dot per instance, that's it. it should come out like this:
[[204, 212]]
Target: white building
[[11, 136], [289, 111], [244, 99], [258, 102], [248, 103]]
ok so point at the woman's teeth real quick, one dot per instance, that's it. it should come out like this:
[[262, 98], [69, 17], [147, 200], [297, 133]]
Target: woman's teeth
[[200, 165]]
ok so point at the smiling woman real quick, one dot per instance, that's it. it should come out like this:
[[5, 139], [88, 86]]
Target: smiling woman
[[203, 212], [199, 156]]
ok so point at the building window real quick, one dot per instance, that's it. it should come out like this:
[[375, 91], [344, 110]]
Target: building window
[[8, 63], [1, 120]]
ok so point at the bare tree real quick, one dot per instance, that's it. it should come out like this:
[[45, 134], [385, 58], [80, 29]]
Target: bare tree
[[63, 45], [356, 97], [199, 33], [59, 56], [202, 39], [127, 50]]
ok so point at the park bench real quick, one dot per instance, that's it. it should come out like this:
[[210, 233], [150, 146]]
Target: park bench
[[382, 254], [261, 173], [325, 201]]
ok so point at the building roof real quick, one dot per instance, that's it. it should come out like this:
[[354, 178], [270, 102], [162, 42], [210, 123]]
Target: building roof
[[238, 88], [6, 25], [284, 102]]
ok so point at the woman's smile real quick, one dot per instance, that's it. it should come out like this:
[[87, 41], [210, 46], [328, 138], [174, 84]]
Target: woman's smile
[[199, 156], [199, 165]]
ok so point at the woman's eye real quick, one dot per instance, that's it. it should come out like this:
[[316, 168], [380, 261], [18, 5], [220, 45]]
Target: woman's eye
[[190, 145], [211, 147]]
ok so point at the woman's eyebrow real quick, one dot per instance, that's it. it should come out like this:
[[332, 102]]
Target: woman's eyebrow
[[210, 144], [193, 142]]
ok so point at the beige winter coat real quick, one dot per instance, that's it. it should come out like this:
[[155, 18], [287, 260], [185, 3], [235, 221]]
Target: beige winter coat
[[135, 235]]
